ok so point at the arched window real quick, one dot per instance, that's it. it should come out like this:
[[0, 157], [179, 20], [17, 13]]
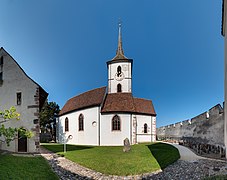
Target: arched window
[[145, 128], [119, 88], [118, 71], [66, 124], [81, 122], [116, 123]]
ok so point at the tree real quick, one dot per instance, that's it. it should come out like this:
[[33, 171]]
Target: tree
[[9, 134], [47, 117]]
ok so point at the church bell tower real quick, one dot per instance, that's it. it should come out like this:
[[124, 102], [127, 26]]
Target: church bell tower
[[119, 70]]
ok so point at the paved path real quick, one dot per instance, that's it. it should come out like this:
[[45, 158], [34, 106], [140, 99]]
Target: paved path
[[186, 154], [189, 167]]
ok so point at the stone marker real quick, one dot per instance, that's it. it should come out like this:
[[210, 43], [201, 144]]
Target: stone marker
[[127, 146]]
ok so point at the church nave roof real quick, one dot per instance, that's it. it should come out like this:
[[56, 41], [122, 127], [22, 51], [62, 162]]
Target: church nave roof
[[90, 98], [111, 103]]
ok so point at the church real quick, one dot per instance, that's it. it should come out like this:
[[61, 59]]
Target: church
[[105, 116]]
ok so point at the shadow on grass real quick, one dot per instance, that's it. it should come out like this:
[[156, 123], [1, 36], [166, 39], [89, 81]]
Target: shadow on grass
[[58, 148], [164, 154]]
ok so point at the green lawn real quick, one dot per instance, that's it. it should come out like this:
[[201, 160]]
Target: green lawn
[[141, 159], [165, 154], [14, 167]]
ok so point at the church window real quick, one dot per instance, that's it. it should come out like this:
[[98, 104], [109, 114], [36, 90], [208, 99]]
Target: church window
[[19, 99], [1, 77], [118, 71], [66, 124], [145, 128], [1, 73], [119, 88], [116, 123], [1, 61], [81, 122]]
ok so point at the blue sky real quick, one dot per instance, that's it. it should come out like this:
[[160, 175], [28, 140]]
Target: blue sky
[[176, 46]]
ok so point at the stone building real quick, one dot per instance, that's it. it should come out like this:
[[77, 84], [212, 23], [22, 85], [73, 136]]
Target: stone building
[[19, 90], [224, 33], [106, 116]]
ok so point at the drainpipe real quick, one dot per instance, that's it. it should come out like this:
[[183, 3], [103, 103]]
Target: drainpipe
[[99, 126]]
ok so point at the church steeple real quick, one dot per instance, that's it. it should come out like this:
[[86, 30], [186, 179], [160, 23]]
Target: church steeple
[[120, 52], [119, 70]]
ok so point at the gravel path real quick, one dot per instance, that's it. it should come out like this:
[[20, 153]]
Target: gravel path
[[190, 166]]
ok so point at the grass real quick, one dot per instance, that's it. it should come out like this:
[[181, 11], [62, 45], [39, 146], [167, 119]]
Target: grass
[[112, 160], [17, 167], [165, 154]]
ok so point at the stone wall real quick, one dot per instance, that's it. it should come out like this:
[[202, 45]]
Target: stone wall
[[15, 81], [203, 133]]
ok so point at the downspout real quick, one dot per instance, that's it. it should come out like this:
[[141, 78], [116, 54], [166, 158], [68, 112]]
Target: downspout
[[131, 128], [99, 126], [151, 127], [99, 116], [136, 131]]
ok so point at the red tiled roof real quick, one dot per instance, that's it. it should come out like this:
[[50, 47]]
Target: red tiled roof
[[90, 98], [124, 102], [144, 106], [118, 102], [113, 103]]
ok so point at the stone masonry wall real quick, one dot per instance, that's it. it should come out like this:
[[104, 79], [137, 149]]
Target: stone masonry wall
[[203, 133]]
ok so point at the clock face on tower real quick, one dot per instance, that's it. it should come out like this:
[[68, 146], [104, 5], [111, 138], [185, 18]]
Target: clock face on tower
[[119, 76]]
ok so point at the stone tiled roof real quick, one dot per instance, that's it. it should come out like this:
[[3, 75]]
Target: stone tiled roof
[[88, 99], [118, 102]]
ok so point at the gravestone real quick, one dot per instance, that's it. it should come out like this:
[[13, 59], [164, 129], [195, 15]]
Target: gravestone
[[127, 146]]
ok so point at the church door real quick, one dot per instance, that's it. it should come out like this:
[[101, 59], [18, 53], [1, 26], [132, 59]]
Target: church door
[[22, 143]]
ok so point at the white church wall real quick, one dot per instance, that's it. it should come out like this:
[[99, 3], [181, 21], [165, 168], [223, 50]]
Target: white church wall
[[89, 136], [153, 129], [126, 82], [141, 135], [14, 81], [115, 138]]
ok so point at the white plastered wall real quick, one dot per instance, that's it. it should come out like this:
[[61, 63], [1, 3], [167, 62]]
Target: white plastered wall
[[115, 138], [89, 136], [151, 128], [125, 83]]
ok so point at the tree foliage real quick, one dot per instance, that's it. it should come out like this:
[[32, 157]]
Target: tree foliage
[[9, 134], [9, 114], [48, 116]]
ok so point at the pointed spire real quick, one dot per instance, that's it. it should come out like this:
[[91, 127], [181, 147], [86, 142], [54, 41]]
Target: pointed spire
[[119, 48], [120, 52]]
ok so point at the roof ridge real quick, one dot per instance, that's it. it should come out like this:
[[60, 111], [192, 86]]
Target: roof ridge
[[142, 99], [86, 92], [22, 69], [87, 99]]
